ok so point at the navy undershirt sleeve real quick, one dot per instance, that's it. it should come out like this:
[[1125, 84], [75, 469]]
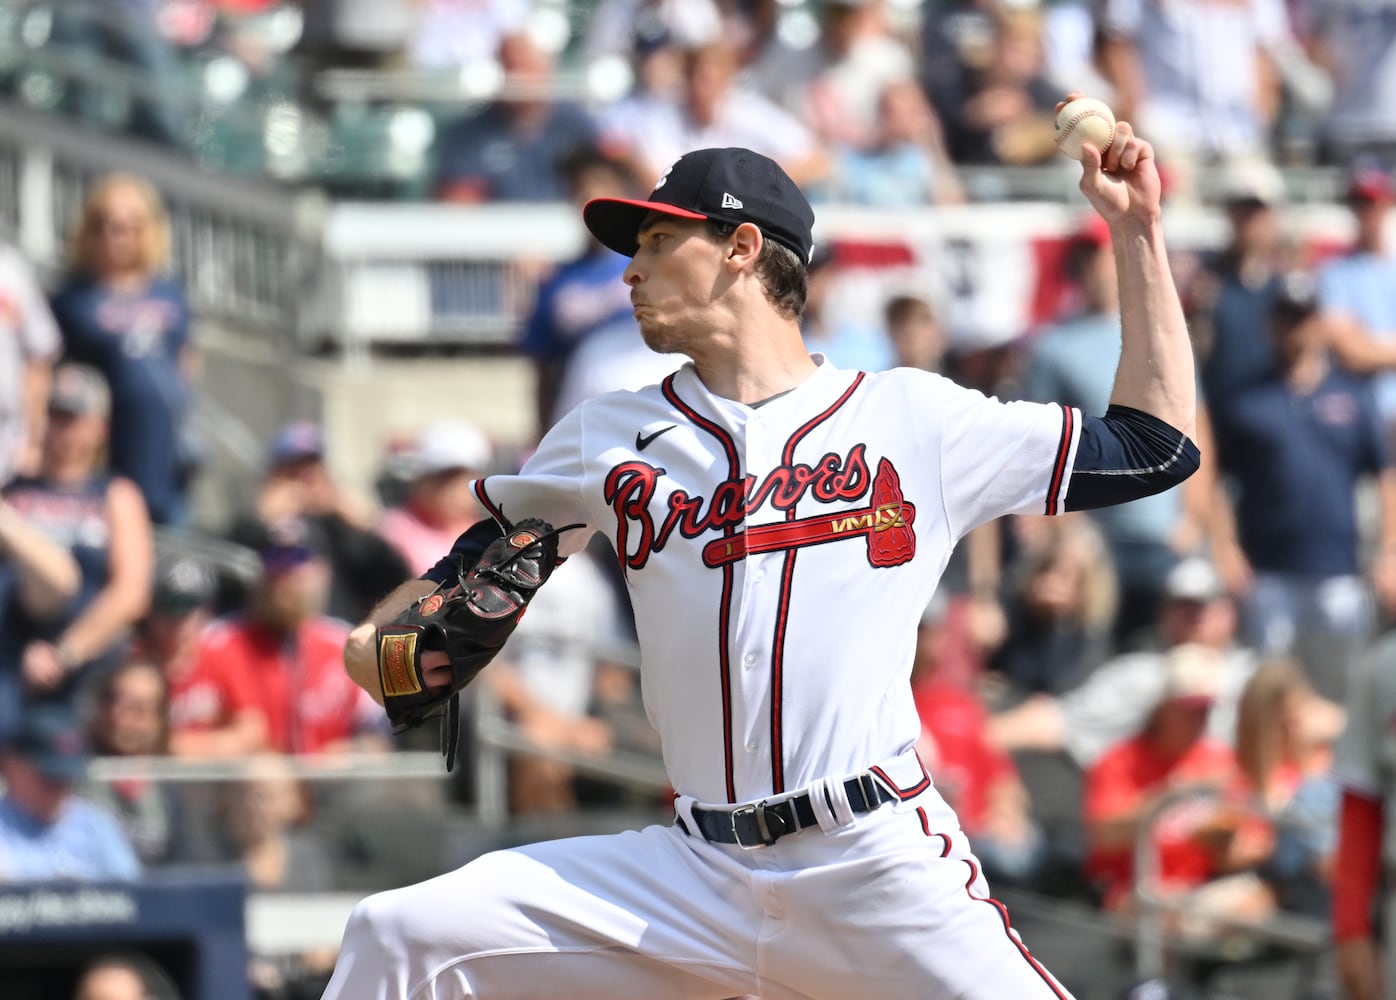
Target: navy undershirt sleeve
[[466, 551], [1125, 455]]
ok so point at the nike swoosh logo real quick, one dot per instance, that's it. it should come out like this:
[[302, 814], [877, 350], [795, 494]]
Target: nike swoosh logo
[[641, 443]]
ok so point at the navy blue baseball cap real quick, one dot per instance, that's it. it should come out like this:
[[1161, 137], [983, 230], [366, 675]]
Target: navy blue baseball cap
[[732, 185], [51, 740]]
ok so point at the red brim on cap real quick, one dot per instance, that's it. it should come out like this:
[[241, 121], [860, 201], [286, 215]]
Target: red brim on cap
[[616, 221]]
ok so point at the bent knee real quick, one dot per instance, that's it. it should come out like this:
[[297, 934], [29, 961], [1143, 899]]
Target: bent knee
[[464, 912]]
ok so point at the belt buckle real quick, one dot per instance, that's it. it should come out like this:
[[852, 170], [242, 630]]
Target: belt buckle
[[758, 813]]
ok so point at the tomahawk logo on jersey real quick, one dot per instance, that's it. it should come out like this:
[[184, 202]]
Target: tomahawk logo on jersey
[[783, 528]]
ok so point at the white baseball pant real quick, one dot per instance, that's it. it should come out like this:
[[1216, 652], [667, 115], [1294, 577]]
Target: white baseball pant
[[890, 904]]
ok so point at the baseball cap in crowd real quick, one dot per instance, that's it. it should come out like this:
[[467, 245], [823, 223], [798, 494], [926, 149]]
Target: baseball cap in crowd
[[451, 444], [51, 740], [287, 545], [1252, 181], [1369, 180], [1193, 579], [731, 185], [79, 390], [182, 585], [295, 441], [1296, 295], [1193, 675]]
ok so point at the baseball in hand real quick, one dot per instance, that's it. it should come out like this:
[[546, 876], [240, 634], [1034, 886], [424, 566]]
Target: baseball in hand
[[1084, 120]]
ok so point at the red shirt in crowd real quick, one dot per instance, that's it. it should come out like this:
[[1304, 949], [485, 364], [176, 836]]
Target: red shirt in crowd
[[298, 685], [203, 699], [1132, 772], [956, 750]]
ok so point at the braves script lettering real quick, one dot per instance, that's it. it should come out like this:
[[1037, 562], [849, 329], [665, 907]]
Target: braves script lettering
[[630, 489]]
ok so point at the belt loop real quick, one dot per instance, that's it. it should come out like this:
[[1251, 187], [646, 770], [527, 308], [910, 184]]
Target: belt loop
[[683, 811]]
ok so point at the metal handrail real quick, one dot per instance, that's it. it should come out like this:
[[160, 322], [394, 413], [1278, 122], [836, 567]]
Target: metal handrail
[[1301, 934]]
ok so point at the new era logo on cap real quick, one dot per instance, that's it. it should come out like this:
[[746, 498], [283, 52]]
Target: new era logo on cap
[[699, 185]]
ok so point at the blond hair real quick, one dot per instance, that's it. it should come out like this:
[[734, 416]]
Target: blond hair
[[87, 235], [1261, 719]]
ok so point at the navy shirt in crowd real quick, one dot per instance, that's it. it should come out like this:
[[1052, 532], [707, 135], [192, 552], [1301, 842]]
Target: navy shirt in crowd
[[1297, 460], [72, 517], [581, 298], [135, 339], [499, 161], [1243, 352]]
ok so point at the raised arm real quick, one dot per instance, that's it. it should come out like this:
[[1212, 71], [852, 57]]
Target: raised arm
[[1156, 371]]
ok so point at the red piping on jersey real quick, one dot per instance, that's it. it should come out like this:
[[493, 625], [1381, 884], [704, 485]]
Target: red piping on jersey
[[1059, 467], [926, 829], [488, 504], [787, 573], [725, 606], [905, 793], [1012, 934]]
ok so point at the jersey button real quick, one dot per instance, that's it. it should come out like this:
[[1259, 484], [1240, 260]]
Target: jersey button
[[751, 747], [749, 659], [758, 576]]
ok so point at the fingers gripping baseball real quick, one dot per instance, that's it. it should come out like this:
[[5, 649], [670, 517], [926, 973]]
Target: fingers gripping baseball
[[1121, 181]]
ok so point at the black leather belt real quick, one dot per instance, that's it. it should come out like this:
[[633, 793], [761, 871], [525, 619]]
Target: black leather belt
[[763, 823]]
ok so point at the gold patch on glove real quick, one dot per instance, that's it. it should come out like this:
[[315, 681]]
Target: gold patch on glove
[[396, 657]]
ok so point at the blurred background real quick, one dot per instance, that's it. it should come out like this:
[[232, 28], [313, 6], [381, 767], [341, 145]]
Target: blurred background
[[278, 279]]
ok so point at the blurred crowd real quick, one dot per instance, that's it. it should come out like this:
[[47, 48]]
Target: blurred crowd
[[1171, 673], [863, 101]]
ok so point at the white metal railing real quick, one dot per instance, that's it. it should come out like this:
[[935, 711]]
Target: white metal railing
[[1303, 937]]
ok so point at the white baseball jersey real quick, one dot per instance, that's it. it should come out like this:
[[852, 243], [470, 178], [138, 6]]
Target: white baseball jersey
[[779, 557]]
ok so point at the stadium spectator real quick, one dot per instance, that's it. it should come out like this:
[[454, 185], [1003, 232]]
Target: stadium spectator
[[439, 504], [298, 486], [834, 86], [261, 823], [1001, 111], [1073, 363], [833, 331], [47, 831], [1060, 606], [128, 34], [262, 820], [131, 719], [1114, 702], [1358, 290], [915, 331], [1231, 296], [628, 27], [512, 149], [125, 976], [102, 520], [1361, 873], [980, 782], [29, 342], [209, 715], [544, 679], [1353, 42], [281, 658], [38, 579], [1285, 776], [584, 296], [904, 163], [1199, 79], [650, 131], [1132, 779], [1295, 447], [463, 34], [122, 314]]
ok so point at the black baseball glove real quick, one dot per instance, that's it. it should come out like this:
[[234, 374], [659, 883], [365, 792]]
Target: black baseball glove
[[468, 619]]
